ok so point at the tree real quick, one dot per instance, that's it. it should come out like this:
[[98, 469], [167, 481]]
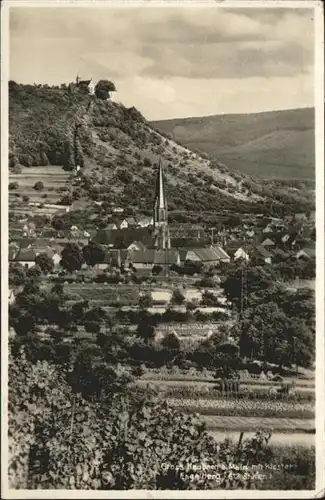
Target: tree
[[177, 297], [39, 186], [93, 254], [145, 301], [21, 320], [209, 299], [34, 273], [58, 223], [13, 185], [44, 262], [103, 88], [66, 200], [171, 342], [124, 175], [93, 319], [71, 257], [145, 330], [17, 274], [157, 269], [191, 306]]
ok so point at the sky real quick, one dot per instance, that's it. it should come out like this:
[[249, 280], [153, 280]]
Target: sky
[[172, 62]]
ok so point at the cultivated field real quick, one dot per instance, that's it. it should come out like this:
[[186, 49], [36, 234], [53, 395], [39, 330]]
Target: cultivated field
[[55, 182], [292, 417]]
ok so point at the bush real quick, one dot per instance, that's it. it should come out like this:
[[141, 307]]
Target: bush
[[177, 297], [39, 186], [13, 185]]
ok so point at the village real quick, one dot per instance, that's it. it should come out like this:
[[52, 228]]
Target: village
[[127, 240]]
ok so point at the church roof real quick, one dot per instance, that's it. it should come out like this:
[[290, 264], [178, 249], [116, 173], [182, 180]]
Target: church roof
[[169, 256], [122, 238], [84, 82]]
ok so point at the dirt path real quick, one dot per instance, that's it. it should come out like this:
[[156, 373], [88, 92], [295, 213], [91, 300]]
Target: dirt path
[[278, 439], [226, 423], [306, 385]]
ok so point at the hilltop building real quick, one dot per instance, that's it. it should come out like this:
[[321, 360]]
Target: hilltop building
[[86, 85], [161, 237]]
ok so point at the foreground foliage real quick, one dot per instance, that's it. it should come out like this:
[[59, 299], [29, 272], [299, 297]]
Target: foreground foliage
[[60, 439]]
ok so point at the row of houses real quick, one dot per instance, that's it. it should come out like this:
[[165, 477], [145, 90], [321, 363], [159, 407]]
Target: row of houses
[[142, 257]]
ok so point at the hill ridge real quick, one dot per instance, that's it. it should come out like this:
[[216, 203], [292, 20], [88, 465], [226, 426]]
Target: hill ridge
[[220, 135], [119, 150]]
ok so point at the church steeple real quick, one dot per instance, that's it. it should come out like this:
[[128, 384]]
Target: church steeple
[[160, 213]]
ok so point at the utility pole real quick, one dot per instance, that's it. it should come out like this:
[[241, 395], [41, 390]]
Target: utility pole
[[294, 350]]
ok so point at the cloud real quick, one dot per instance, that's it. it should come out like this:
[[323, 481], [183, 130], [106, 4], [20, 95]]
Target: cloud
[[191, 42], [148, 51]]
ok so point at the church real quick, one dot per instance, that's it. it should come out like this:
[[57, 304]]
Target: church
[[161, 254], [161, 237]]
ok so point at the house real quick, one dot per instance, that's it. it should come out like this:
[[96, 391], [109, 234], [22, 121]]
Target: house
[[26, 257], [12, 251], [241, 254], [145, 222], [208, 256], [146, 259], [55, 256], [285, 238], [29, 229], [268, 243], [260, 254], [136, 245], [11, 296], [111, 227], [268, 229], [113, 96], [306, 253], [118, 210], [86, 85], [250, 233], [128, 222]]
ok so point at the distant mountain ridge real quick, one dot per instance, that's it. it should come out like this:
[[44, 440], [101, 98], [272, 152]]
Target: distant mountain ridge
[[278, 144]]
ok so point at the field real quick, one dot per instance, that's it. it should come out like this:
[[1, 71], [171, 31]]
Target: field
[[291, 417], [102, 294], [54, 179]]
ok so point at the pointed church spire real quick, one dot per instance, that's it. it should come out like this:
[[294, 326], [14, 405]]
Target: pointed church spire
[[160, 201], [160, 213]]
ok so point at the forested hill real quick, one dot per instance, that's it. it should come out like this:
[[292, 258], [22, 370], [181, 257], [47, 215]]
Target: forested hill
[[269, 144], [119, 151]]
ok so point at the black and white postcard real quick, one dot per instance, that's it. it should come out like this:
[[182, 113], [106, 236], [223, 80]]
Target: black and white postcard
[[162, 249]]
